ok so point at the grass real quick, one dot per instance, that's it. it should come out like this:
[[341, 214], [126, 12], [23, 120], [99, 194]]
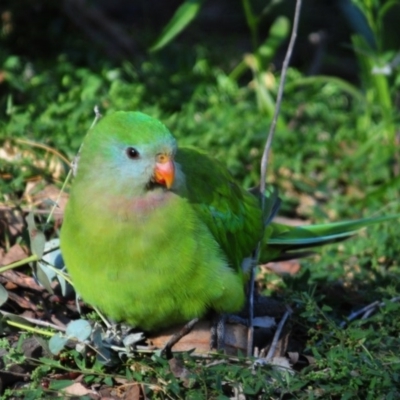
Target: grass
[[326, 165]]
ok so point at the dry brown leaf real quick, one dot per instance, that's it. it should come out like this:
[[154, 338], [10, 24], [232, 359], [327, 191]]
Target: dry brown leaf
[[293, 357], [310, 359], [133, 393], [16, 253], [44, 197], [291, 267], [281, 363], [11, 222], [77, 389], [21, 280], [22, 302]]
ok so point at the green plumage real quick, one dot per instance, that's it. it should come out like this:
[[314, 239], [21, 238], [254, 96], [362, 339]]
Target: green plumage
[[153, 256]]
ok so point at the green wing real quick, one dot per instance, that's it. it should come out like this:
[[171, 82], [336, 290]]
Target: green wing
[[232, 215]]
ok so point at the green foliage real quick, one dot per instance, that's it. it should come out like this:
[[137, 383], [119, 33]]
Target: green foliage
[[186, 12], [378, 67], [263, 52]]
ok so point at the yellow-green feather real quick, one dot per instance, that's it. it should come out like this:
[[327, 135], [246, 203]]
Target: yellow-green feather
[[163, 266]]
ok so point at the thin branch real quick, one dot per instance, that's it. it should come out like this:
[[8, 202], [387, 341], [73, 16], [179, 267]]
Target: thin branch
[[250, 331], [55, 205], [366, 311], [285, 67], [44, 147], [75, 162], [277, 335], [32, 321], [264, 165]]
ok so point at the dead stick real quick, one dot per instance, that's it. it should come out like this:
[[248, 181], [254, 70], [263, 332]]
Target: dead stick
[[278, 332], [265, 159]]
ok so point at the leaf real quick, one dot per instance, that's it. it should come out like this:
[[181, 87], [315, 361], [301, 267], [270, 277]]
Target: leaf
[[281, 364], [53, 257], [76, 389], [61, 384], [44, 277], [36, 236], [3, 295], [385, 7], [278, 32], [179, 21], [79, 329], [57, 343], [132, 339], [103, 352], [358, 21], [15, 253]]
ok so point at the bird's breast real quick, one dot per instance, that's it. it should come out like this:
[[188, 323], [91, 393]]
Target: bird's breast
[[141, 209]]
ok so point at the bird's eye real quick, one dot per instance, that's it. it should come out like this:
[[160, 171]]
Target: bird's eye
[[132, 153]]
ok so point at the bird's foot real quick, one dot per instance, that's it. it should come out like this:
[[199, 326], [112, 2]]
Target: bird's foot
[[167, 349]]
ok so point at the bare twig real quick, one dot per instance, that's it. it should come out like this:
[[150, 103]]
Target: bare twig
[[55, 205], [366, 311], [32, 321], [250, 331], [44, 147], [277, 335], [285, 67], [21, 280], [264, 164]]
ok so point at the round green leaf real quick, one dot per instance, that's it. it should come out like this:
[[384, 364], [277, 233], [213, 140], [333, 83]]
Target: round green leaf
[[79, 330]]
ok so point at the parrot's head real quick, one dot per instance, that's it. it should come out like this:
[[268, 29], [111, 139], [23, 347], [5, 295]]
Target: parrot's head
[[128, 153]]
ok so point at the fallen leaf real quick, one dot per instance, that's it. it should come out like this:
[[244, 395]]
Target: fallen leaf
[[11, 221], [133, 393], [290, 267], [16, 253], [281, 364], [45, 197], [22, 301], [293, 357], [19, 279], [77, 389]]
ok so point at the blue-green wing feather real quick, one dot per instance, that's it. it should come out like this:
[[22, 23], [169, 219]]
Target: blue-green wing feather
[[286, 242]]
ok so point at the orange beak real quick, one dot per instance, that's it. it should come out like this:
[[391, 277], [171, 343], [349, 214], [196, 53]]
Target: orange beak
[[164, 172]]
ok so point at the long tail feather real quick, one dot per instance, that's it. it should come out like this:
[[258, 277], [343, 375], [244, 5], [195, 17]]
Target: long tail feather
[[284, 242]]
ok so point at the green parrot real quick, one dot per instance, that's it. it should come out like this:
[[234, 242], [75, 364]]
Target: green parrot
[[155, 235]]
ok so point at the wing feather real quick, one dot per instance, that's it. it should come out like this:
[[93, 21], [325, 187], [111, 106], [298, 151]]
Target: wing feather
[[232, 215]]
